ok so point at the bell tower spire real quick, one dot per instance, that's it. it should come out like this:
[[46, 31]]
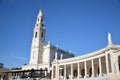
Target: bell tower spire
[[38, 41], [40, 21]]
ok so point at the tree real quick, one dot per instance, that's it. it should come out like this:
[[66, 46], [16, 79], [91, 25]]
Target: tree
[[1, 65], [17, 68]]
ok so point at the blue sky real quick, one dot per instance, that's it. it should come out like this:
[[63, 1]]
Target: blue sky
[[80, 26]]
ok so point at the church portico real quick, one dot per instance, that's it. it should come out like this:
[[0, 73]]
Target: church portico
[[88, 66]]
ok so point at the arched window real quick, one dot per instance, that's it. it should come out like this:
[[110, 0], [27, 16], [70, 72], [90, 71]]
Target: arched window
[[42, 19], [37, 24], [42, 24], [42, 35], [46, 69], [38, 19], [41, 69], [35, 34]]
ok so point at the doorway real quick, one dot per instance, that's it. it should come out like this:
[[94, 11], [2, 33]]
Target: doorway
[[83, 72]]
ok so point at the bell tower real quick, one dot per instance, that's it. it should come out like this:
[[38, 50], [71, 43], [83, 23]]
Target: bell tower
[[38, 41]]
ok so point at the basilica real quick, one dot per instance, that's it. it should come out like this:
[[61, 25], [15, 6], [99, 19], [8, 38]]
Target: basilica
[[104, 63], [43, 55], [53, 63]]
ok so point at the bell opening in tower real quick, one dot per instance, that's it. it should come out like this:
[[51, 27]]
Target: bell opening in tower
[[42, 35], [36, 35]]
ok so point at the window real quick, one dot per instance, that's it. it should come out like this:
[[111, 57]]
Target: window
[[37, 24], [42, 35], [58, 56], [42, 19], [35, 34], [42, 24]]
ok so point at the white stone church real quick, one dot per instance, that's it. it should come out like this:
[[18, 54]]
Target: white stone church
[[102, 64], [43, 55]]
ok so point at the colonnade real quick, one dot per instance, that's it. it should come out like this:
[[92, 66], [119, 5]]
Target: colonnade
[[91, 67]]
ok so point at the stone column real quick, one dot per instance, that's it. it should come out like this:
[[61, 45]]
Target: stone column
[[117, 67], [58, 72], [100, 66], [52, 71], [107, 67], [71, 71], [78, 71], [85, 69], [64, 72], [93, 72]]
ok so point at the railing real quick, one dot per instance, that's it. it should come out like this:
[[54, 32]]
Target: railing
[[26, 79]]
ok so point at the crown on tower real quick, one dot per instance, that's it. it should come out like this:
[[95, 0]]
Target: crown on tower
[[40, 12]]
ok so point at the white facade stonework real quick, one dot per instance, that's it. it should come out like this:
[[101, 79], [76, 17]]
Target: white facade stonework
[[99, 65]]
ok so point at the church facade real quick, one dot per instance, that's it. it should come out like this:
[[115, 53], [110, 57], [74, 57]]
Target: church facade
[[43, 55]]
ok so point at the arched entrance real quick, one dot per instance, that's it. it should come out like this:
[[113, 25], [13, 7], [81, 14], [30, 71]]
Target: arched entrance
[[46, 71], [62, 72], [75, 73], [32, 74], [41, 72], [83, 72], [90, 72]]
